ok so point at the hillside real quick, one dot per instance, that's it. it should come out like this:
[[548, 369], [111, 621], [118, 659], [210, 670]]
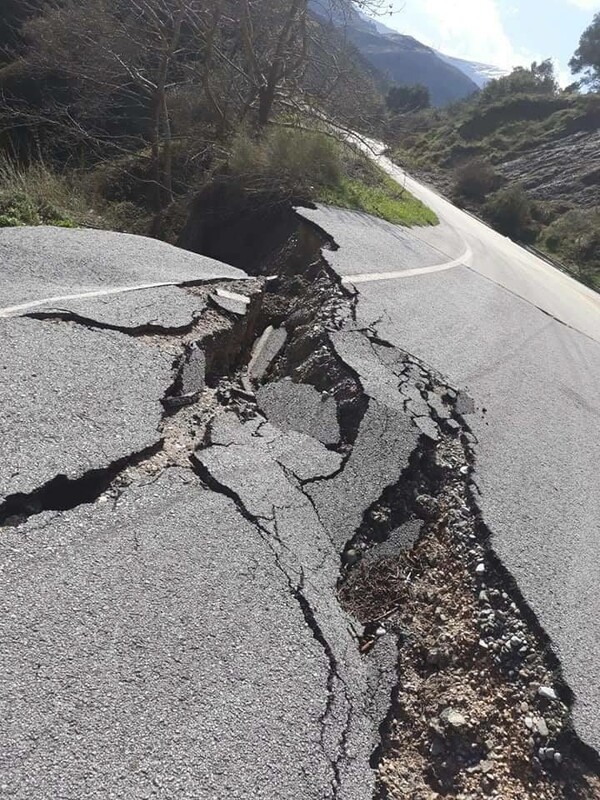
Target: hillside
[[404, 60], [401, 59], [99, 128], [539, 150], [481, 74]]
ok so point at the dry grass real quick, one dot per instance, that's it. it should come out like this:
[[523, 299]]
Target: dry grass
[[39, 195], [36, 195]]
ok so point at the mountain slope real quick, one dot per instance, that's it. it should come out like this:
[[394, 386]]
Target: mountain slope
[[481, 74], [404, 60], [400, 59], [545, 149]]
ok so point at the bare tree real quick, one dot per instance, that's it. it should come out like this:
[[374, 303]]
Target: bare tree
[[116, 52], [120, 67]]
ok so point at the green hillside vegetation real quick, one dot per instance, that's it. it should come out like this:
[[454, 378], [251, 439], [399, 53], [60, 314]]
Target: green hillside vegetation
[[524, 155], [497, 131]]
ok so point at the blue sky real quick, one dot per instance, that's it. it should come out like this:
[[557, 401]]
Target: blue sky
[[501, 32]]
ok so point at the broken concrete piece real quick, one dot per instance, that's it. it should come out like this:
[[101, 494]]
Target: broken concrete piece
[[300, 407], [265, 351], [399, 541], [453, 718], [191, 381], [381, 451], [376, 378], [428, 427], [192, 374], [231, 301]]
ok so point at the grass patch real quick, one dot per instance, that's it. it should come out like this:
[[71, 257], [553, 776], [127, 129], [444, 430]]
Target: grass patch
[[363, 186], [387, 201], [315, 166], [37, 196]]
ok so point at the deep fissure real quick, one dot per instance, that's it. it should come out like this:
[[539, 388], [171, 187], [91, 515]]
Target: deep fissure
[[63, 493], [373, 591], [434, 490]]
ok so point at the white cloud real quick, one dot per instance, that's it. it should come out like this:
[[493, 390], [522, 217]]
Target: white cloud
[[471, 29], [586, 5]]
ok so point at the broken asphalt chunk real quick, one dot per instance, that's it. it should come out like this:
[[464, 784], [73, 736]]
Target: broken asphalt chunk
[[300, 407], [191, 380], [232, 302], [266, 349]]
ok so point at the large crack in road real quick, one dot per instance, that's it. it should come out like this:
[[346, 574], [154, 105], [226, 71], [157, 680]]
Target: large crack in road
[[302, 539]]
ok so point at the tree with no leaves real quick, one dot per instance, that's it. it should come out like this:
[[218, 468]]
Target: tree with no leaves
[[123, 64], [116, 53]]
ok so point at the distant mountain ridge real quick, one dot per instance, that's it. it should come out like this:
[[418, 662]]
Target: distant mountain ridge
[[402, 59], [481, 74]]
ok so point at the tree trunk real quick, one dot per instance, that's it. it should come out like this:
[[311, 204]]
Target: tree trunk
[[167, 152], [157, 104], [266, 98]]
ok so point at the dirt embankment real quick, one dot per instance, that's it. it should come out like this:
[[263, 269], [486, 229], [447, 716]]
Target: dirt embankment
[[565, 170]]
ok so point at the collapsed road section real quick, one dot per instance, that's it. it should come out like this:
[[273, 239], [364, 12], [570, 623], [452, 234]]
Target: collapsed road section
[[242, 556]]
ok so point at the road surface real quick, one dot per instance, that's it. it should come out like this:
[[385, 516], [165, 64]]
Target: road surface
[[169, 617], [171, 535], [523, 340]]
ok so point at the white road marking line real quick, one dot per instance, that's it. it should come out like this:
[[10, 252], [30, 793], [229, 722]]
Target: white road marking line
[[367, 277], [12, 310]]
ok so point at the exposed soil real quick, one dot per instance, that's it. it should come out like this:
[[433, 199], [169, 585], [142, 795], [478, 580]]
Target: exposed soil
[[467, 719]]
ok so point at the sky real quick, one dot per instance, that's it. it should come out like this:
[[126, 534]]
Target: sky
[[506, 33]]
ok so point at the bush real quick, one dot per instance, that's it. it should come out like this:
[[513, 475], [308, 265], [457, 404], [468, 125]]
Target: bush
[[575, 238], [510, 211], [475, 179], [293, 161], [404, 99], [35, 196], [311, 166]]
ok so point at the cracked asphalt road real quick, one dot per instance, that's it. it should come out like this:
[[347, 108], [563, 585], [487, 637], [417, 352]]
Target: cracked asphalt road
[[524, 341], [42, 264], [127, 669], [178, 632], [73, 400]]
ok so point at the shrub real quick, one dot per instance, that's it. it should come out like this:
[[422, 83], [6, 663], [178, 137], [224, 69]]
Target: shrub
[[290, 160], [510, 211], [575, 238], [475, 179], [403, 99]]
